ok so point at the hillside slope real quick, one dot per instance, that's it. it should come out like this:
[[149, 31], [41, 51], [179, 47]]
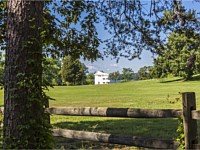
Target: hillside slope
[[163, 93]]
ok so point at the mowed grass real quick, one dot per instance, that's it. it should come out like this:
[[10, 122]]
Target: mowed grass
[[138, 94], [152, 94]]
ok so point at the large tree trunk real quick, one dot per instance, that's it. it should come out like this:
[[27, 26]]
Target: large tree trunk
[[24, 115]]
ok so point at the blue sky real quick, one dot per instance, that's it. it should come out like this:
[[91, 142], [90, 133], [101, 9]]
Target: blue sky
[[108, 65]]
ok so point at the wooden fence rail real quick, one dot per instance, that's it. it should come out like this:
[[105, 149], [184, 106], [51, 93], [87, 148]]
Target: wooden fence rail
[[188, 113], [116, 112], [116, 139], [195, 114]]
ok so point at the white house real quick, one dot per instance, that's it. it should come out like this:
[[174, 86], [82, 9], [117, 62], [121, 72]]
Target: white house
[[101, 78]]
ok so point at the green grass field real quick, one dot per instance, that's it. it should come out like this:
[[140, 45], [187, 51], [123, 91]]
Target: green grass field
[[137, 94], [153, 94]]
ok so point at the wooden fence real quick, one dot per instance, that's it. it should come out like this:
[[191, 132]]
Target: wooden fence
[[188, 113]]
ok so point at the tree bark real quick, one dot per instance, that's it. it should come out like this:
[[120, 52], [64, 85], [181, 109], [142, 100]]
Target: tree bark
[[23, 98]]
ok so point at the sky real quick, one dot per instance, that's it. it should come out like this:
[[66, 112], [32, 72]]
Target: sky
[[109, 65]]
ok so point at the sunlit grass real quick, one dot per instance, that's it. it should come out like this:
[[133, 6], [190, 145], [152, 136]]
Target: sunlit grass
[[153, 94], [138, 94]]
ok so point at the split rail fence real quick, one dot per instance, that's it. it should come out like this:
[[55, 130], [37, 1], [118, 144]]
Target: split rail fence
[[189, 114]]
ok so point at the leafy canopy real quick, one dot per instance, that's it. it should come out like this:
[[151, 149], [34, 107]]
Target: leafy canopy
[[181, 55], [70, 27], [73, 71]]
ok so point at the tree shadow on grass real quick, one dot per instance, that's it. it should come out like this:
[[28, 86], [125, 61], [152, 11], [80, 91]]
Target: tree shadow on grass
[[173, 80], [151, 128], [196, 78]]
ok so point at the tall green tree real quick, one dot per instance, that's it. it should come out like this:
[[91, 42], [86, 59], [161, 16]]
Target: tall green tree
[[181, 56], [51, 71], [127, 74], [114, 76], [73, 71], [24, 100], [89, 78], [161, 67], [145, 73], [34, 31]]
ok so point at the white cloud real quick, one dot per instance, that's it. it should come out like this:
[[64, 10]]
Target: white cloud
[[90, 67], [114, 65]]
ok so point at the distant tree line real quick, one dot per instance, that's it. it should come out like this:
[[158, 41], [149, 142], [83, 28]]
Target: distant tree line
[[57, 72], [126, 75], [180, 56], [68, 71]]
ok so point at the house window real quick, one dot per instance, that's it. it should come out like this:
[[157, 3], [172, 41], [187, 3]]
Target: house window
[[98, 82], [103, 78], [99, 75], [103, 82]]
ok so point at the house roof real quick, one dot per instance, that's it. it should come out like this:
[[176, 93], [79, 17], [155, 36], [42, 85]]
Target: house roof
[[100, 73]]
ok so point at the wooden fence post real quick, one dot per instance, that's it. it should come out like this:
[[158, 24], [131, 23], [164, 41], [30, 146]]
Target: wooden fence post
[[190, 125]]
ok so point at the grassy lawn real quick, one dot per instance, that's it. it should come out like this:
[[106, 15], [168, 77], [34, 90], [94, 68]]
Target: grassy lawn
[[153, 94], [136, 94]]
